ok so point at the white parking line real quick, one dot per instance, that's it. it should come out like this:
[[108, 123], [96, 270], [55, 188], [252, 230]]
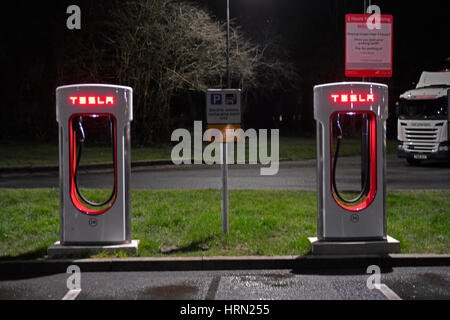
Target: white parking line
[[71, 294], [391, 295]]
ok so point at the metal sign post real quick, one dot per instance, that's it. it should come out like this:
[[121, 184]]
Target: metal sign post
[[223, 111], [224, 149], [224, 187]]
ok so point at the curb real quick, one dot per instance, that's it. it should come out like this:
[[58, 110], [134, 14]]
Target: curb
[[89, 166], [309, 262], [106, 165]]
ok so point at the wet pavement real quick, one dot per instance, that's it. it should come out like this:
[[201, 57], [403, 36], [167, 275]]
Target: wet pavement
[[406, 282]]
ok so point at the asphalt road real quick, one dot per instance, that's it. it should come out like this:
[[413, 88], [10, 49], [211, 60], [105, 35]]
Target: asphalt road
[[404, 282], [292, 175]]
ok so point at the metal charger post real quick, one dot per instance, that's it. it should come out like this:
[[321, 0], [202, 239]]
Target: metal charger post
[[352, 226], [88, 227]]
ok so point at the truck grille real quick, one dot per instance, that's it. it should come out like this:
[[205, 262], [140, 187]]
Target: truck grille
[[421, 139]]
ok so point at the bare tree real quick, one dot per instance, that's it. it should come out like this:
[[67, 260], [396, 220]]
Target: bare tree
[[163, 47]]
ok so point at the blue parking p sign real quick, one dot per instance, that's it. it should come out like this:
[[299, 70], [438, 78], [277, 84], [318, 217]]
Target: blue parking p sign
[[223, 106], [216, 98]]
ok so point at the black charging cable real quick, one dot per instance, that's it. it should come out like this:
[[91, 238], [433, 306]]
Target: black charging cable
[[75, 180], [364, 190]]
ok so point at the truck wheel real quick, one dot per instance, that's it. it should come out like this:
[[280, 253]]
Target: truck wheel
[[413, 162]]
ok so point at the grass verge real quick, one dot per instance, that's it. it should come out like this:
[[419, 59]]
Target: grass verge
[[16, 153], [189, 222]]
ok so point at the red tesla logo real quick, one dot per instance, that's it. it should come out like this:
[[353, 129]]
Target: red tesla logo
[[352, 97], [92, 100]]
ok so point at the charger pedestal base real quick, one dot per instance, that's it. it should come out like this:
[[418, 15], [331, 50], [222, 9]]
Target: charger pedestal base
[[57, 250], [377, 247]]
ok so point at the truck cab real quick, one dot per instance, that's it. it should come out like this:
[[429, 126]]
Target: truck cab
[[423, 119]]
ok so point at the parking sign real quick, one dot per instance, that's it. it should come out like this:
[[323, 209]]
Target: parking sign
[[223, 106], [216, 99], [368, 52]]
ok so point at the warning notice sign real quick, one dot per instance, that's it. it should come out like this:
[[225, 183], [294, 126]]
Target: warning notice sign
[[368, 53]]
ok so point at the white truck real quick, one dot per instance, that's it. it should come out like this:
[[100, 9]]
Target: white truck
[[423, 119]]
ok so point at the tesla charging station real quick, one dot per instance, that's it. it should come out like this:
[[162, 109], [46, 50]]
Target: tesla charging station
[[86, 225], [352, 225]]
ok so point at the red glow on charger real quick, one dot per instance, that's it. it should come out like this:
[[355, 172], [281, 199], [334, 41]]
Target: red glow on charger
[[92, 100], [352, 97]]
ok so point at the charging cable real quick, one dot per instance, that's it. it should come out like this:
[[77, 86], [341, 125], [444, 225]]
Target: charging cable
[[335, 158], [75, 180]]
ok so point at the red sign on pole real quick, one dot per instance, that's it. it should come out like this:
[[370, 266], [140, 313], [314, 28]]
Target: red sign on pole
[[368, 53]]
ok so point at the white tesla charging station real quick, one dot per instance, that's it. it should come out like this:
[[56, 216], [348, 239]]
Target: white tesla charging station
[[358, 225], [85, 224]]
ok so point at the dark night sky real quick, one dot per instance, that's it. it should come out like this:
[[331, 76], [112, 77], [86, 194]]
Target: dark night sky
[[312, 31]]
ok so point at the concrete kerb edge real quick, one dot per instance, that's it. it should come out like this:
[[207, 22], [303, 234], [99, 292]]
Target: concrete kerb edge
[[88, 166], [39, 267], [101, 166]]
